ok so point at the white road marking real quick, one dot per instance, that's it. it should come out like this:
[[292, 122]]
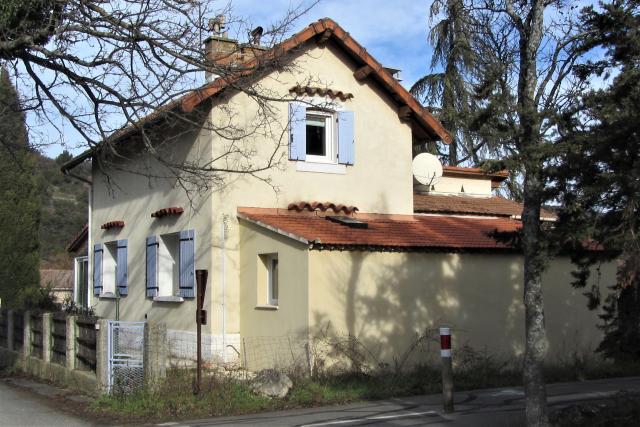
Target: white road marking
[[374, 418]]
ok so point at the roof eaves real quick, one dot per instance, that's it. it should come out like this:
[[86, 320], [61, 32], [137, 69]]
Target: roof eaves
[[277, 230]]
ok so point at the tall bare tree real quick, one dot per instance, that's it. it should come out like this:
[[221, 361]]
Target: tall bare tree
[[95, 67]]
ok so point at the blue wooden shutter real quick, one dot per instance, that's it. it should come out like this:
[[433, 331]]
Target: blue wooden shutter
[[187, 264], [121, 267], [97, 269], [152, 266], [297, 131], [346, 138]]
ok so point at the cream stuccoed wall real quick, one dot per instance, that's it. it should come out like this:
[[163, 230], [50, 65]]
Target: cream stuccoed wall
[[126, 192], [387, 299], [290, 317], [379, 181]]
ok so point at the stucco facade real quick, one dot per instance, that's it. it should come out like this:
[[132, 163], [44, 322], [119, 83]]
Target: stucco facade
[[387, 299]]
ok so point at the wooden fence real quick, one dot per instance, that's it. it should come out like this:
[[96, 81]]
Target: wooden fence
[[86, 343], [18, 330], [59, 338], [36, 335], [4, 326]]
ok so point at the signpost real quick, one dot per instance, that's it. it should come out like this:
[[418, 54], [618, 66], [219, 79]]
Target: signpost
[[447, 371], [201, 319]]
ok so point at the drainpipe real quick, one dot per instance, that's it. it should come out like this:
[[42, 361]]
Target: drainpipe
[[223, 237]]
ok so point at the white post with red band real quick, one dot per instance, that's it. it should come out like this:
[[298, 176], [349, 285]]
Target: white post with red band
[[445, 342], [447, 369]]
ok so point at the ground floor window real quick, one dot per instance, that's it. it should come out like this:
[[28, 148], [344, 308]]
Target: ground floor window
[[268, 287], [81, 281]]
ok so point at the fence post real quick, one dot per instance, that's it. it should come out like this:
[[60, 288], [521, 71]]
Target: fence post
[[9, 314], [26, 334], [154, 353], [46, 337], [70, 342], [447, 371], [102, 356]]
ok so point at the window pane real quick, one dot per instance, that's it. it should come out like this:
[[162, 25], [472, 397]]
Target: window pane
[[316, 136]]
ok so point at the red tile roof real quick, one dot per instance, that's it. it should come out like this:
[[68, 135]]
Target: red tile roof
[[386, 232], [465, 205], [176, 210], [323, 29]]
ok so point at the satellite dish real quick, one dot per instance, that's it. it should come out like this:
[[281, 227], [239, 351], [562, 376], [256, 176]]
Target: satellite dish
[[427, 169]]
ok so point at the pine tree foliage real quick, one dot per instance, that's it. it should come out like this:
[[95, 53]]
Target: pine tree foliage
[[598, 176], [19, 203]]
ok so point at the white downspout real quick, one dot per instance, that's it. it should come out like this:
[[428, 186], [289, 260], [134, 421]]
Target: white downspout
[[223, 238], [89, 283]]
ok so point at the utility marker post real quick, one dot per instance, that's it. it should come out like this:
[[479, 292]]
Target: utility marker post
[[201, 319], [447, 371]]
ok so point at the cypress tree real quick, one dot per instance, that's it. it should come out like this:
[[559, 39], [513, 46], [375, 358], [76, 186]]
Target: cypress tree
[[19, 204]]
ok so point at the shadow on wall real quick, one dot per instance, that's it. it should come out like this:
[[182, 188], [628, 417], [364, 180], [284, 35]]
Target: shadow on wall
[[387, 300]]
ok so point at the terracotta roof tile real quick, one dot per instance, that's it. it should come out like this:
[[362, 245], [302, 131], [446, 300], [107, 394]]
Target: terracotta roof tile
[[465, 205], [386, 232], [315, 206], [311, 91]]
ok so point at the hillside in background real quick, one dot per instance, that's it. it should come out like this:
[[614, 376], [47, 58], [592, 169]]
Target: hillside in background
[[64, 210]]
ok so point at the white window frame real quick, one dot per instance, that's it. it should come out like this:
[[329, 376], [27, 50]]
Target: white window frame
[[76, 281], [168, 275], [271, 260], [331, 141], [109, 265]]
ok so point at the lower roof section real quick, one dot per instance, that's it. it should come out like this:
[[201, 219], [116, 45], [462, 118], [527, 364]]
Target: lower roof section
[[385, 232]]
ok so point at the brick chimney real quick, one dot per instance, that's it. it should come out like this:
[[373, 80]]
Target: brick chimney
[[224, 52]]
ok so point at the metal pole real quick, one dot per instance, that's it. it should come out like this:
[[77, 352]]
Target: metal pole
[[201, 319], [447, 371]]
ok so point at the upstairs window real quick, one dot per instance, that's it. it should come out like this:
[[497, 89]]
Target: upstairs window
[[320, 136]]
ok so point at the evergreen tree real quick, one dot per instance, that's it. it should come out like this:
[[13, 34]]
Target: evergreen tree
[[452, 50], [599, 173], [19, 203]]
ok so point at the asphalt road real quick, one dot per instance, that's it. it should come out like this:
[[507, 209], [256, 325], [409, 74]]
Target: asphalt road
[[19, 407], [494, 408]]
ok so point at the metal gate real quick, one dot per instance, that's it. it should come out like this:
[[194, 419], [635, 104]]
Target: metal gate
[[125, 373]]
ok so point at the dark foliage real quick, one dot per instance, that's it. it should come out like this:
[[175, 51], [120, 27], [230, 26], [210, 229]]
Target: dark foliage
[[598, 176]]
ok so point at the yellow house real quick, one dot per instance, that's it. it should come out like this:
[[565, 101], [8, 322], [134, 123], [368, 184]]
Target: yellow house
[[379, 258]]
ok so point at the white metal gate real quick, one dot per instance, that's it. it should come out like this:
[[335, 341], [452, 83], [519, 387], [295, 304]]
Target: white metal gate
[[125, 372]]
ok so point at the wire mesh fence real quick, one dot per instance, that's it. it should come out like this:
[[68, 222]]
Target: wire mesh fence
[[216, 349], [126, 356]]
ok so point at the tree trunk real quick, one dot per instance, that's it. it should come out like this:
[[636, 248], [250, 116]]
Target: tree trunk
[[530, 32], [535, 334]]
